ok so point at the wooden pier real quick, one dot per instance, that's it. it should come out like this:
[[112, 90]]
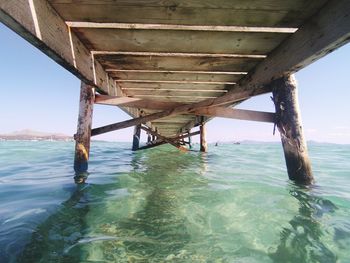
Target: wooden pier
[[173, 65]]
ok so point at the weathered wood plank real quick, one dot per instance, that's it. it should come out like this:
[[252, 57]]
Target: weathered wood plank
[[179, 41], [268, 5], [145, 82], [178, 54], [134, 86], [176, 92], [290, 127], [179, 71], [133, 26], [223, 12], [237, 114], [174, 99], [170, 76], [177, 63], [37, 22]]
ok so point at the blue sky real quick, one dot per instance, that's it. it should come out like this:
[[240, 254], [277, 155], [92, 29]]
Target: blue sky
[[38, 94]]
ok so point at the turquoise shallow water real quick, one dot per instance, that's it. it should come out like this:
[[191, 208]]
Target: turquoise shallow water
[[234, 204]]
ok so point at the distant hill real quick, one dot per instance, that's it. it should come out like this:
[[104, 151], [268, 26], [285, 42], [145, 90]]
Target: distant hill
[[30, 135]]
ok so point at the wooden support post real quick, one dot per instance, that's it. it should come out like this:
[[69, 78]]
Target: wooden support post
[[189, 140], [288, 121], [203, 142], [83, 135], [136, 138]]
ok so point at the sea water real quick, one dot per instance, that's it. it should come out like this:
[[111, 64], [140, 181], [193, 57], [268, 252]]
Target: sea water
[[233, 204]]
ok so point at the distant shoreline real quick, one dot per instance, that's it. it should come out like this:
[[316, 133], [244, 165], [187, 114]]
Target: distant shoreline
[[35, 138], [29, 135]]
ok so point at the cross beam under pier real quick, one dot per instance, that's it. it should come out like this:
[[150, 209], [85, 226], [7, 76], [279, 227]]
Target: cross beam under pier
[[159, 142]]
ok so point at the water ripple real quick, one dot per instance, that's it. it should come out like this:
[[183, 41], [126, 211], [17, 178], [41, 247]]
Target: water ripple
[[233, 204]]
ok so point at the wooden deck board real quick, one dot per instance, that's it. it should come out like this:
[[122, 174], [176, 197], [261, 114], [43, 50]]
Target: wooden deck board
[[174, 93], [129, 86], [177, 63], [178, 41], [190, 12], [183, 99], [169, 76]]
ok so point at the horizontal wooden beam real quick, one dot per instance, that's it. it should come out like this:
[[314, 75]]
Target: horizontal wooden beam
[[176, 97], [208, 78], [173, 63], [37, 22], [238, 114], [177, 71], [177, 54], [181, 27], [186, 87], [129, 123], [210, 111], [175, 82], [178, 93]]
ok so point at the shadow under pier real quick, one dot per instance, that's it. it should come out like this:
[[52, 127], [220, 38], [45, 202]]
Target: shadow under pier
[[158, 229]]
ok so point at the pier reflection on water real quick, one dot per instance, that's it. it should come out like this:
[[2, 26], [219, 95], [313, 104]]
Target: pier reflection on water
[[145, 222], [165, 209]]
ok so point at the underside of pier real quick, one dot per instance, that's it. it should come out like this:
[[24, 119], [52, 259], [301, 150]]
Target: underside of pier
[[173, 65]]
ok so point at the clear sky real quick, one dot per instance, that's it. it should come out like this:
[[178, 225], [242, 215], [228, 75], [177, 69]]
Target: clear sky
[[38, 94]]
